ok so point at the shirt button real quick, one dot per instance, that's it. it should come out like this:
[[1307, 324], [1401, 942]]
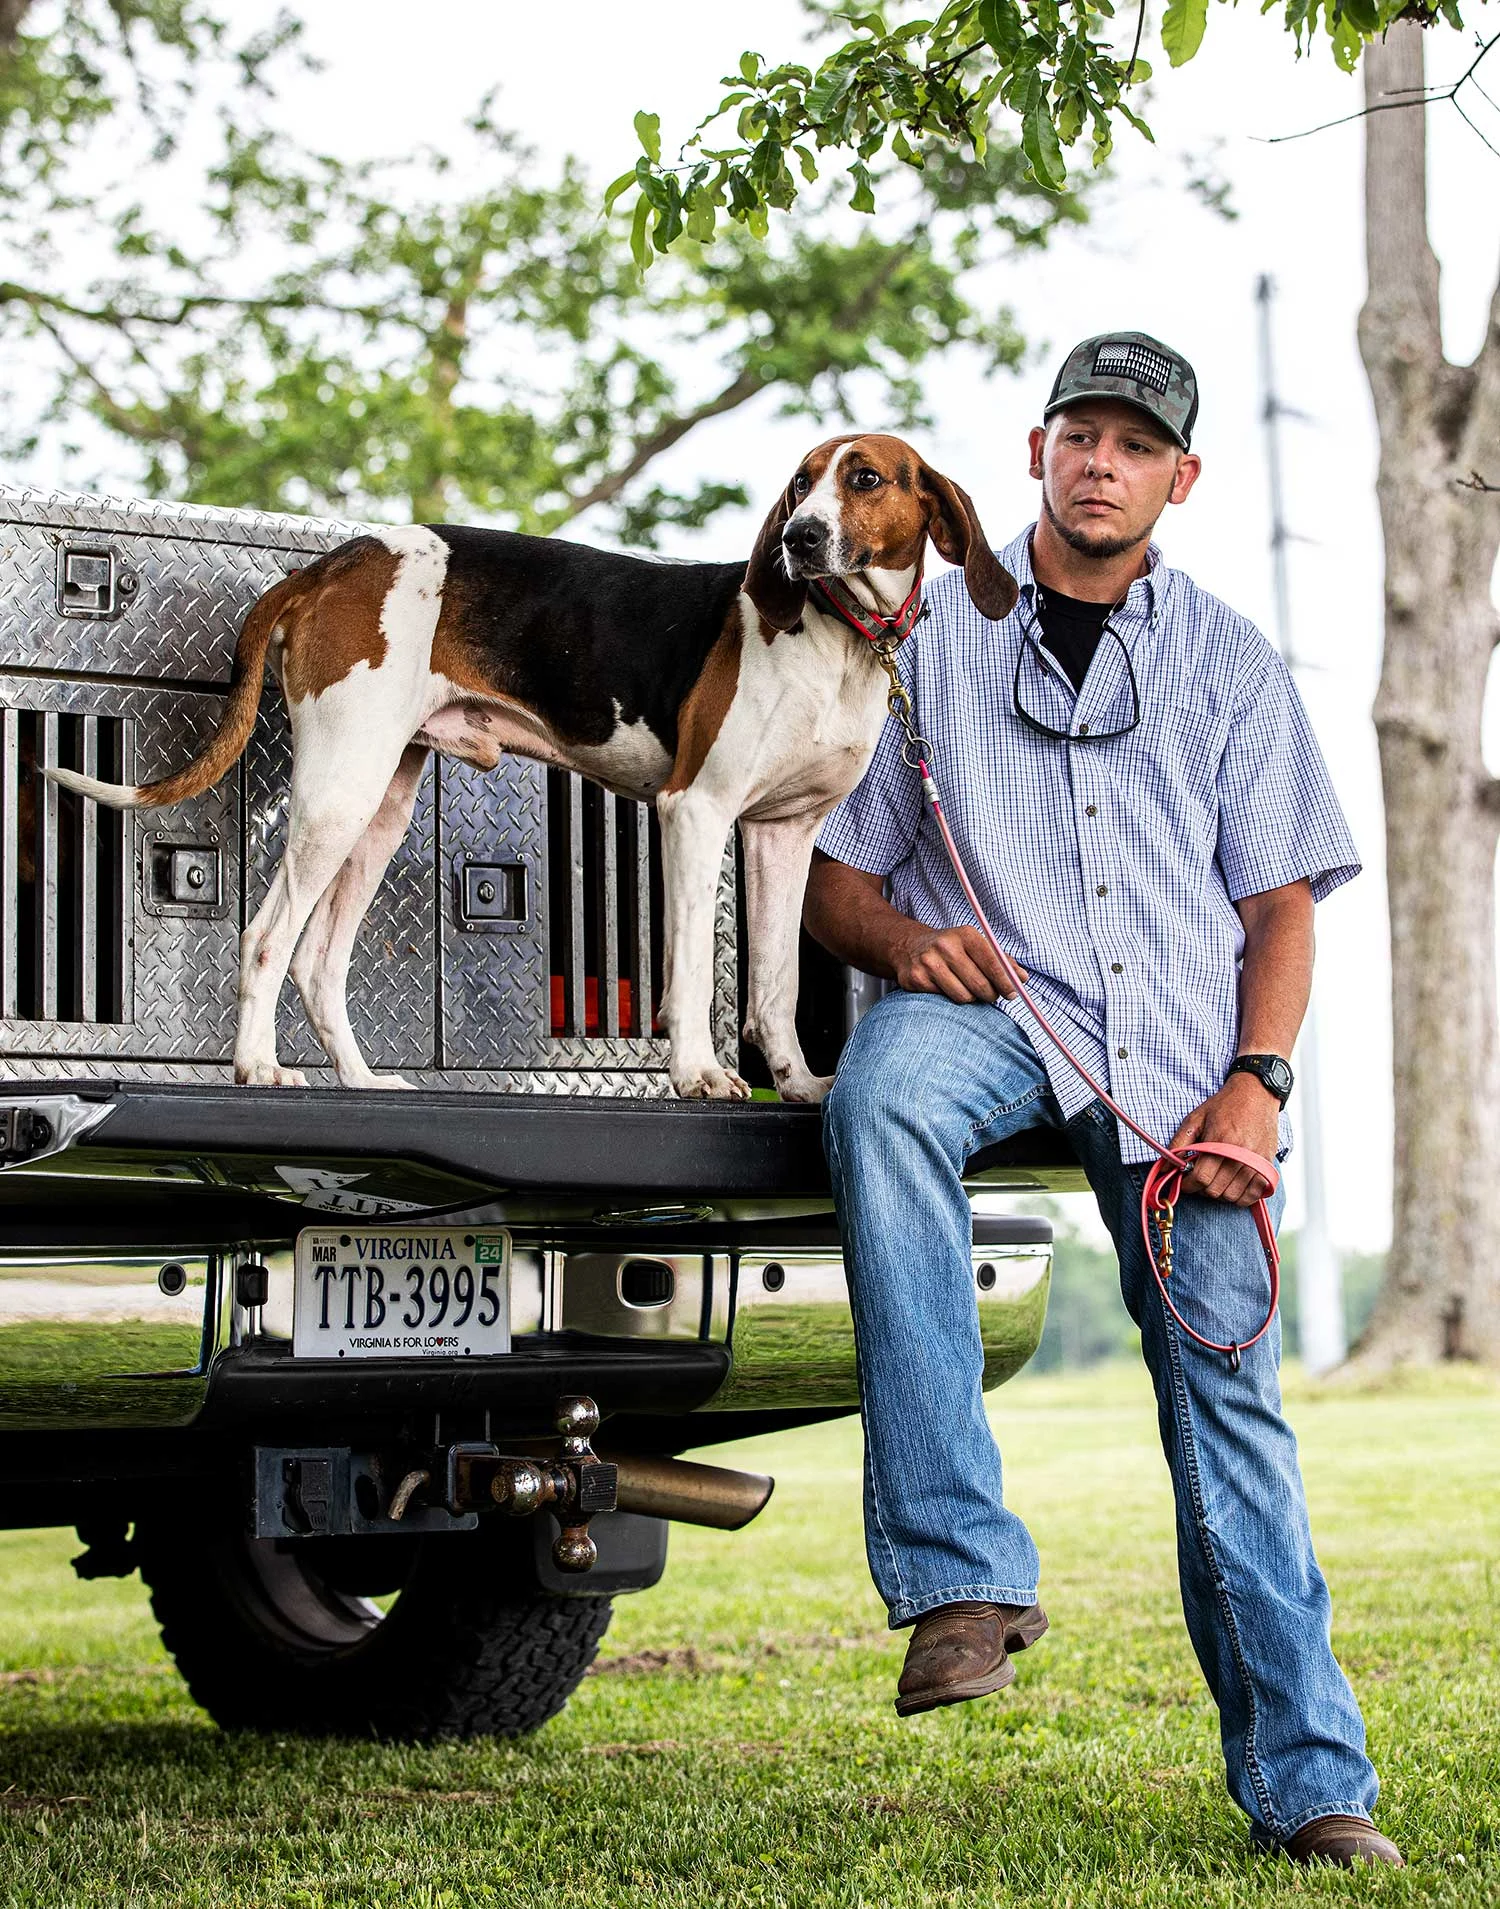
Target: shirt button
[[1083, 729], [1091, 810], [1103, 888], [1117, 967], [1123, 1052]]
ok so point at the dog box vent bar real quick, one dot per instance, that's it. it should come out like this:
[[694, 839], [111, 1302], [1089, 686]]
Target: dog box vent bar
[[604, 911], [62, 870]]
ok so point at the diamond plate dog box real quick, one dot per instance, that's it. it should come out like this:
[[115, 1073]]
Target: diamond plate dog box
[[515, 943]]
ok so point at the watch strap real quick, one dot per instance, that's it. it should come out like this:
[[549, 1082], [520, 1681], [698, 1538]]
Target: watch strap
[[1263, 1067]]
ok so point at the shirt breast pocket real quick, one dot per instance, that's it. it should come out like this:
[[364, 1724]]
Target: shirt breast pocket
[[1174, 763]]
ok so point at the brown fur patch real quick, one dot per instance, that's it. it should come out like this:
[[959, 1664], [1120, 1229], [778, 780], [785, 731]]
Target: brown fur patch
[[891, 521], [333, 622], [707, 704]]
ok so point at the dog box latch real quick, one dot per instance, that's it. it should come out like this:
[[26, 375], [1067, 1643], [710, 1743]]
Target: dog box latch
[[493, 894], [182, 877], [91, 583]]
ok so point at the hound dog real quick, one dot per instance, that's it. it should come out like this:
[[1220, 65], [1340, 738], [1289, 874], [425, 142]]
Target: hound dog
[[727, 693]]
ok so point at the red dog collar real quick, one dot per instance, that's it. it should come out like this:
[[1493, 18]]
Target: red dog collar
[[874, 628]]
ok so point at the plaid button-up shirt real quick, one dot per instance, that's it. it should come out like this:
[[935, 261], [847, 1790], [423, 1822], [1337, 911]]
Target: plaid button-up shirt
[[1110, 869]]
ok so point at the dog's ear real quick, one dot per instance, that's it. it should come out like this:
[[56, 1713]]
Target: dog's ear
[[954, 527], [779, 601]]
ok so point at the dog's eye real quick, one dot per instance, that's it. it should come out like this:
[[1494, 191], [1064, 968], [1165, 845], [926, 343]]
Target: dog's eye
[[866, 480], [800, 483]]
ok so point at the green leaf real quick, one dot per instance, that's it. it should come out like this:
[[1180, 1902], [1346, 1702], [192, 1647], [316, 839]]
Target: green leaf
[[1134, 119], [808, 164], [765, 163], [1348, 44], [1000, 24], [829, 89], [1040, 143], [640, 243], [864, 192], [750, 68], [648, 131], [1182, 29], [613, 191], [701, 215]]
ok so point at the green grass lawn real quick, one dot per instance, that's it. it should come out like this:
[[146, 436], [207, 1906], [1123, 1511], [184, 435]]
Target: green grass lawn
[[738, 1744]]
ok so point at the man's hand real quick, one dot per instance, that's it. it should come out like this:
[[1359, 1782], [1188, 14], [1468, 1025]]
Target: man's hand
[[956, 962], [1242, 1114]]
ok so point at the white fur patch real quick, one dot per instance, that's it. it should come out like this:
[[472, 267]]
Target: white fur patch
[[824, 505], [632, 762]]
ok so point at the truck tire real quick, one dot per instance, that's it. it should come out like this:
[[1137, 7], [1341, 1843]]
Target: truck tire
[[284, 1636]]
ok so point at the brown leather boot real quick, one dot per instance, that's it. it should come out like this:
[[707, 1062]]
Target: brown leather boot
[[960, 1651], [1343, 1841]]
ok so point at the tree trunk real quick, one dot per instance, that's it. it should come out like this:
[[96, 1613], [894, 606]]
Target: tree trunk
[[435, 450], [1439, 424], [12, 12]]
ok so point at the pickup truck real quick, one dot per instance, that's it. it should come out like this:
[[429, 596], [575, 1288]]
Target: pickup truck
[[385, 1394]]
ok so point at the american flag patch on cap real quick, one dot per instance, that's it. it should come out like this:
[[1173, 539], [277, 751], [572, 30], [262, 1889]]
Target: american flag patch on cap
[[1133, 361]]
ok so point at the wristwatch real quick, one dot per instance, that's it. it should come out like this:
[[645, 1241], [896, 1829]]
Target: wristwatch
[[1270, 1070]]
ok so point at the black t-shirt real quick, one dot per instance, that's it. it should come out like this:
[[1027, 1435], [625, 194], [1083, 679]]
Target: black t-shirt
[[1071, 630]]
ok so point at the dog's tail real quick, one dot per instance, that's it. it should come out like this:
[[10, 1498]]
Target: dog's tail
[[227, 744]]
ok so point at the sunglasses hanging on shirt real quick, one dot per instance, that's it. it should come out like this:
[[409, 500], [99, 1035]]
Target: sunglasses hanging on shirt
[[1031, 646]]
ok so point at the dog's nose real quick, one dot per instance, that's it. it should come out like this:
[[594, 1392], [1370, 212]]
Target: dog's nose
[[805, 536]]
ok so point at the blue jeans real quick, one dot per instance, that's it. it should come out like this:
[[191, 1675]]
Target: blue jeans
[[923, 1083]]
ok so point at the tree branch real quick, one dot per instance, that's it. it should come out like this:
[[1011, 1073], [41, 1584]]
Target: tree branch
[[121, 318], [662, 439], [120, 417], [1414, 96], [1483, 426], [645, 449], [1399, 327]]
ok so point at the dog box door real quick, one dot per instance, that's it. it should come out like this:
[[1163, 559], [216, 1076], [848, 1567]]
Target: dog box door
[[119, 931], [493, 915]]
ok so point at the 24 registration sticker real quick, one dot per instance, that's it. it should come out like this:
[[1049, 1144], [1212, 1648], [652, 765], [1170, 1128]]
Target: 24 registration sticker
[[401, 1292]]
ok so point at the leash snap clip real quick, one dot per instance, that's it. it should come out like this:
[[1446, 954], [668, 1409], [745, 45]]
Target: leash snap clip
[[1234, 1358], [916, 750]]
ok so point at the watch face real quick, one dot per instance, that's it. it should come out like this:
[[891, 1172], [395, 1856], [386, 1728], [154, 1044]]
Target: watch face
[[1280, 1076]]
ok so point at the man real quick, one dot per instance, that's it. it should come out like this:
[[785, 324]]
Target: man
[[1148, 822]]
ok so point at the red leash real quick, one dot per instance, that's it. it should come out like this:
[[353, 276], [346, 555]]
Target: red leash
[[1163, 1186]]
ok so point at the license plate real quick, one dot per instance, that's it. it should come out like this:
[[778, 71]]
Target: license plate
[[401, 1292]]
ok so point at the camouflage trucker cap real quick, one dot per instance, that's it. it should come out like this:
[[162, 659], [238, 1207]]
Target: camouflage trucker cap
[[1139, 370]]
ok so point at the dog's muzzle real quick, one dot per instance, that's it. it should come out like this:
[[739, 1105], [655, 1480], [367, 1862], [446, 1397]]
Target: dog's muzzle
[[805, 544]]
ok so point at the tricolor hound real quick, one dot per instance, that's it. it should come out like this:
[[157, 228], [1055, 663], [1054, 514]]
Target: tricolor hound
[[724, 692]]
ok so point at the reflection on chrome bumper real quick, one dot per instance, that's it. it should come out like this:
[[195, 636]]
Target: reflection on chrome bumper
[[792, 1341], [105, 1339]]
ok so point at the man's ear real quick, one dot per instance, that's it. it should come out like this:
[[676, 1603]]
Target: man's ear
[[779, 601], [954, 527]]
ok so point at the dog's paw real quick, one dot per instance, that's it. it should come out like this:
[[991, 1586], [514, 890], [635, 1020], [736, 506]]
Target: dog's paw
[[386, 1082], [806, 1090], [709, 1082], [268, 1074]]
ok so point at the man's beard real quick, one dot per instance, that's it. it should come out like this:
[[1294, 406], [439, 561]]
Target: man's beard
[[1101, 548]]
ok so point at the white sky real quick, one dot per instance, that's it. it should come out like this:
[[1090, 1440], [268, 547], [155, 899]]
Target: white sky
[[1154, 260]]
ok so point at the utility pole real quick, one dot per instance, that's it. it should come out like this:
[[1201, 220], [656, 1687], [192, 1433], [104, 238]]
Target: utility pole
[[1323, 1342]]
